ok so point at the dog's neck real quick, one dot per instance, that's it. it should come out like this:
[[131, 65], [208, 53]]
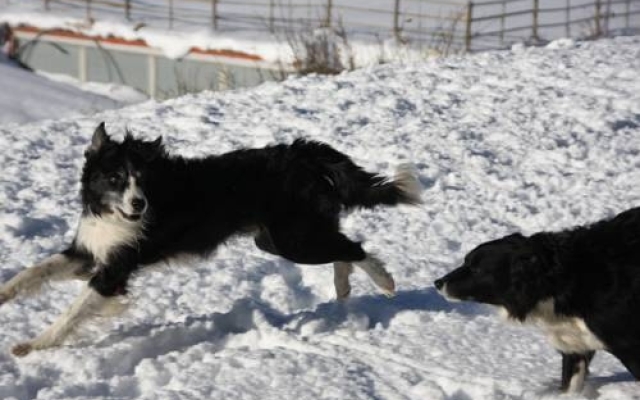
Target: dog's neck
[[101, 234]]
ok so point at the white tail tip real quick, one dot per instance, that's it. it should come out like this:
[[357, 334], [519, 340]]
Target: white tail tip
[[406, 178]]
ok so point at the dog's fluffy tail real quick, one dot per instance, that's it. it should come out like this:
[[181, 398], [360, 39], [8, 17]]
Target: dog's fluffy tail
[[354, 186], [358, 188]]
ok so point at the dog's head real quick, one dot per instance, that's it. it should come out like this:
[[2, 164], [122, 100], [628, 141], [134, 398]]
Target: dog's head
[[115, 173], [506, 272]]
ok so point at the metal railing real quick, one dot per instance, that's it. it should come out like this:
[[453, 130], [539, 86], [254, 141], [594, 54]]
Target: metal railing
[[463, 26]]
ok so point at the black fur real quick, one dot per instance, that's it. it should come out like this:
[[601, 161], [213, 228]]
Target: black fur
[[292, 195], [590, 272]]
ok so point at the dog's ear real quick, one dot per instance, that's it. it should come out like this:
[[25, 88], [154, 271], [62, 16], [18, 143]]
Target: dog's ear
[[98, 140], [155, 149], [157, 143], [149, 151]]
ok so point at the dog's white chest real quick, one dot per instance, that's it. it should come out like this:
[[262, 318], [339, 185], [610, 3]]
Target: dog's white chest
[[567, 334], [100, 235], [572, 336]]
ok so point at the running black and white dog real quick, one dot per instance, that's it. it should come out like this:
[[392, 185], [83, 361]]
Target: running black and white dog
[[581, 286], [141, 206]]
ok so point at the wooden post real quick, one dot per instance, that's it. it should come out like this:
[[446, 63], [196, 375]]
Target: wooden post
[[214, 14], [46, 5], [502, 22], [396, 20], [534, 33], [626, 15], [127, 9], [327, 22], [597, 19], [170, 14], [467, 39]]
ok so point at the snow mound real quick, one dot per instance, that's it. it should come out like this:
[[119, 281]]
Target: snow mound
[[527, 140], [28, 97]]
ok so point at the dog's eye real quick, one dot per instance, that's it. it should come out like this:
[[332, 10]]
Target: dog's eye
[[114, 179]]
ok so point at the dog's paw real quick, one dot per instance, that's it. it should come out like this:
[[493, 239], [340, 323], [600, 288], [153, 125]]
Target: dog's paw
[[22, 349], [4, 298]]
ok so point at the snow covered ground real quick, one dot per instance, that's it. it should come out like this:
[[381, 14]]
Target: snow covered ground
[[27, 97], [524, 140]]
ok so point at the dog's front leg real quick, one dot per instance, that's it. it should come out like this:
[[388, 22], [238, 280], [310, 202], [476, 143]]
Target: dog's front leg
[[86, 305], [104, 290], [341, 272], [57, 267], [574, 371]]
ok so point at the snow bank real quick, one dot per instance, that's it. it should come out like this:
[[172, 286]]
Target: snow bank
[[29, 97], [526, 140]]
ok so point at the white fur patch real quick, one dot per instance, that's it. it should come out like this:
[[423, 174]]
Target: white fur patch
[[133, 191], [100, 235], [567, 334]]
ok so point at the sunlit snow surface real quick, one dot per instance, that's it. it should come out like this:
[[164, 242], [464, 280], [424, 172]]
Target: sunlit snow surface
[[525, 140]]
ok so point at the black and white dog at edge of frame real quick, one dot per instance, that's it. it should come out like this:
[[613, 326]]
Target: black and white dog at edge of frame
[[581, 286], [141, 206]]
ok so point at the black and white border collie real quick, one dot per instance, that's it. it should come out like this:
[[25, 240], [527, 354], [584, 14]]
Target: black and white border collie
[[142, 206], [581, 286]]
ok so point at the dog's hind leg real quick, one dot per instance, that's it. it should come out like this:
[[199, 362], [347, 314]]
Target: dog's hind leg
[[313, 244], [88, 304], [378, 274], [55, 268]]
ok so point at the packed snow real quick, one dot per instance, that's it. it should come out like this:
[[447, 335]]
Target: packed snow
[[523, 140], [27, 97]]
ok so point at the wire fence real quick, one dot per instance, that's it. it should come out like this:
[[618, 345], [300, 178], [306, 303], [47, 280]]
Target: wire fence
[[450, 24]]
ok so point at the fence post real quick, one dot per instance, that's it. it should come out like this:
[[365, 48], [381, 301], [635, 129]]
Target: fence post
[[502, 22], [88, 10], [127, 9], [396, 20], [327, 21], [467, 39], [170, 14], [626, 15], [534, 33], [605, 18], [46, 5], [597, 19], [271, 16], [152, 76], [214, 14], [568, 15]]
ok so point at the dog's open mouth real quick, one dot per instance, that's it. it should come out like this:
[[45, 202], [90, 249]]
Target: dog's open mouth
[[130, 217]]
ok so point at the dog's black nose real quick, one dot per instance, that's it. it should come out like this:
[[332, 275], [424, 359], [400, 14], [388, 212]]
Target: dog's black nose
[[439, 283], [138, 204]]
